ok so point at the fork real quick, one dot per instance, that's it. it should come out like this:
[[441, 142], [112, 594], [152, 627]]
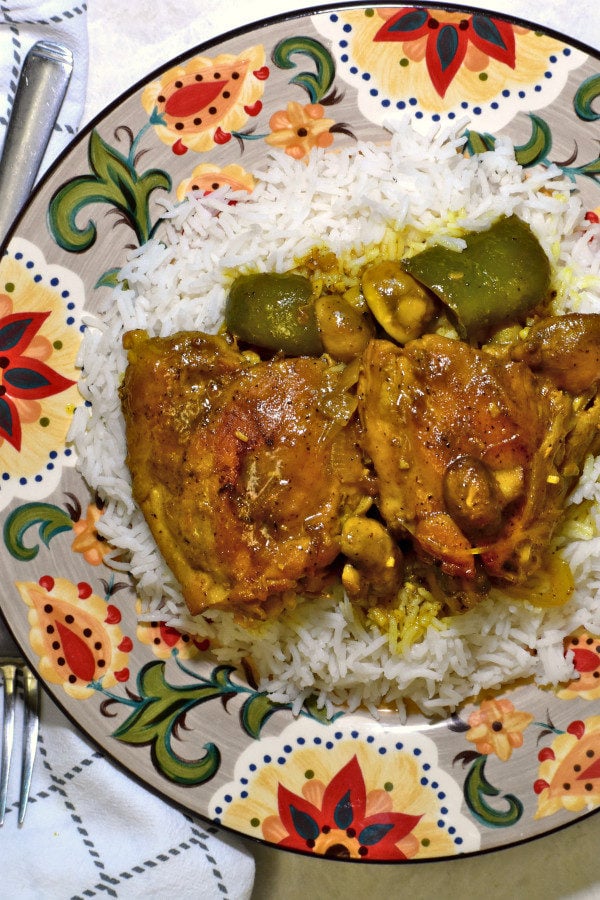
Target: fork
[[11, 668], [40, 92]]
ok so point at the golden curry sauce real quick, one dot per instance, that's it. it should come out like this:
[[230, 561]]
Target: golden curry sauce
[[376, 449]]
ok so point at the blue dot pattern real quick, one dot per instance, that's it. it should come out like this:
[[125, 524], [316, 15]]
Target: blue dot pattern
[[345, 29]]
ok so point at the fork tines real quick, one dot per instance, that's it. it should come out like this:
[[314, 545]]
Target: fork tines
[[11, 668]]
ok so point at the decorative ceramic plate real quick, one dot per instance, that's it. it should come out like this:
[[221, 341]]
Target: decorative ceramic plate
[[499, 771]]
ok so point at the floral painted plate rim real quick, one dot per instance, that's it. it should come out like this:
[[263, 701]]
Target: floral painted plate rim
[[489, 777]]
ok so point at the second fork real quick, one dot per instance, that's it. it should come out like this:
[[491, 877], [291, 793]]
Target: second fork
[[11, 668]]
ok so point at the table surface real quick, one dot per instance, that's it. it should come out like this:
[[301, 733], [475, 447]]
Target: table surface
[[561, 865]]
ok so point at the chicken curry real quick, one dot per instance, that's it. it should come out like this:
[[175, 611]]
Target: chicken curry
[[427, 422]]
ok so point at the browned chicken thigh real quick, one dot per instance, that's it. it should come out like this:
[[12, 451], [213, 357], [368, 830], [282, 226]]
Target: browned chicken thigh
[[255, 476], [474, 453], [244, 470]]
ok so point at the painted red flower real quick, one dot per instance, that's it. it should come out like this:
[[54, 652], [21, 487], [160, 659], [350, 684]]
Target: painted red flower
[[22, 378], [447, 38], [342, 822]]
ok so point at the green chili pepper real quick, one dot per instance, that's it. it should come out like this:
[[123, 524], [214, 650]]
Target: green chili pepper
[[502, 274], [275, 311]]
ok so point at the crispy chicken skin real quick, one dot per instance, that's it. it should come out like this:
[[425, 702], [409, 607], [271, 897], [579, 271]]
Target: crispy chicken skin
[[473, 454], [243, 475]]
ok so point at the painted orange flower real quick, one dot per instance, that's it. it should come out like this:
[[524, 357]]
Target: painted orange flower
[[497, 727], [208, 177], [166, 641], [300, 128], [76, 634], [585, 648], [87, 541]]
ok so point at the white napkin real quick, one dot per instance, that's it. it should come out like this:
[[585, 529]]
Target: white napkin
[[90, 830]]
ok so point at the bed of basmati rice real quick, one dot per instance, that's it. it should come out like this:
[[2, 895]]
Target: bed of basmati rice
[[350, 200]]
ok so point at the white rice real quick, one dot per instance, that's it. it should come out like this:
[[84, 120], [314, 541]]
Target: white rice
[[348, 200]]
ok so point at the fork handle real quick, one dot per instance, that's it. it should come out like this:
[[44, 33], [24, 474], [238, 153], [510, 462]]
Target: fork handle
[[40, 93]]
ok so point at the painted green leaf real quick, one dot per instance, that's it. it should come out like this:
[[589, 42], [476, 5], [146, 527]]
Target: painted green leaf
[[591, 169], [315, 84], [161, 709], [477, 788], [318, 713], [113, 181], [110, 278], [51, 520], [255, 712], [479, 143], [537, 148], [184, 771], [588, 91]]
